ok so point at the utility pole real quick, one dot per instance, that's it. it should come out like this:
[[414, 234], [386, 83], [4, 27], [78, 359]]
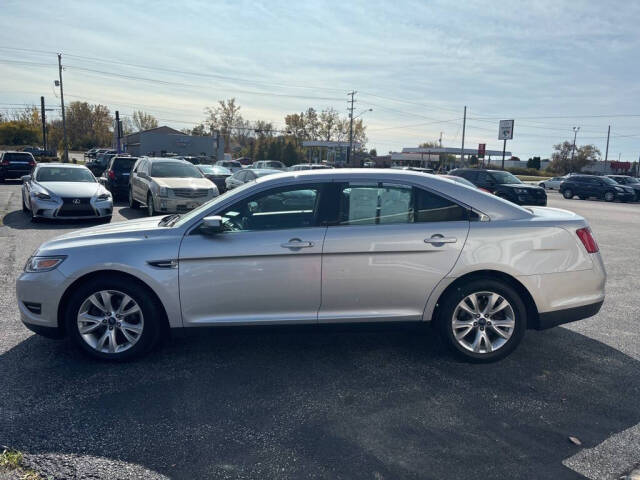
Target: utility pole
[[118, 132], [606, 152], [573, 149], [352, 94], [44, 124], [504, 149], [464, 125], [440, 141], [64, 122]]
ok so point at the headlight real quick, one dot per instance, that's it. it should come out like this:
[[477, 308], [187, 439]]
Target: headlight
[[213, 192], [43, 196], [43, 264], [521, 190], [104, 196], [620, 189], [163, 192]]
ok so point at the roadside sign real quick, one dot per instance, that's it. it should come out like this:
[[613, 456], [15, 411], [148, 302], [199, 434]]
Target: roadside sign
[[505, 130], [482, 147]]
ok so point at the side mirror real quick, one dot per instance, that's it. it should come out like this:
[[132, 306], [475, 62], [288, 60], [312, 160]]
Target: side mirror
[[211, 225], [26, 178]]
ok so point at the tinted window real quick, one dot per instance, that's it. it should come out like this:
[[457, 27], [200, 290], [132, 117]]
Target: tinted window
[[281, 208], [505, 178], [607, 180], [123, 164], [434, 208], [484, 177], [470, 175], [17, 157]]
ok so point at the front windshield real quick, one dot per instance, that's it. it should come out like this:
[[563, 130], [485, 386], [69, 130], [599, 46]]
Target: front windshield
[[174, 170], [63, 174], [631, 180], [505, 178], [205, 206], [609, 181], [214, 170]]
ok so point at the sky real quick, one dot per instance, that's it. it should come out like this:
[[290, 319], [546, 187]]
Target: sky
[[549, 65]]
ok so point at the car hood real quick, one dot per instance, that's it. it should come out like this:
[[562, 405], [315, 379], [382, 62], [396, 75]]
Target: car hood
[[521, 185], [105, 235], [183, 182], [72, 189]]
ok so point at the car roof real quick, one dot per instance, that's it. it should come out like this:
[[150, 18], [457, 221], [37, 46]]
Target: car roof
[[167, 160], [264, 170], [59, 164]]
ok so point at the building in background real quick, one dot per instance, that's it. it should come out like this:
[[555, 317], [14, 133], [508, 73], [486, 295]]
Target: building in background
[[165, 140], [331, 153]]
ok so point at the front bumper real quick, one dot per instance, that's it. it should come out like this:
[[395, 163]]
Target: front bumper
[[178, 204], [53, 209], [625, 196], [38, 297]]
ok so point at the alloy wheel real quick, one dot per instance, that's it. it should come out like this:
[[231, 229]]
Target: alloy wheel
[[483, 322], [110, 321]]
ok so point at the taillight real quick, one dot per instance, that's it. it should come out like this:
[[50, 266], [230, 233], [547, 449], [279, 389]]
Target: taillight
[[112, 175], [585, 236], [32, 163]]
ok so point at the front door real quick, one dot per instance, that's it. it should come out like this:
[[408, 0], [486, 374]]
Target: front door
[[265, 265], [390, 246]]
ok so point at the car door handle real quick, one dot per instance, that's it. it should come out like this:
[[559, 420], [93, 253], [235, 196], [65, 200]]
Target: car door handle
[[438, 239], [296, 243]]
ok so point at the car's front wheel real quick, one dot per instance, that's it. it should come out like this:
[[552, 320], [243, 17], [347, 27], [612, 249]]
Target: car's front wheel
[[609, 197], [482, 320], [151, 211], [113, 320], [568, 194], [132, 203]]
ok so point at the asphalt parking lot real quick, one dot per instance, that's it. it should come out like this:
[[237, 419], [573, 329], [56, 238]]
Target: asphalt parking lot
[[338, 402]]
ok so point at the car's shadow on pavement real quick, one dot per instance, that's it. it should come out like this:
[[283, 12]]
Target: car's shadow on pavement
[[315, 402], [20, 220]]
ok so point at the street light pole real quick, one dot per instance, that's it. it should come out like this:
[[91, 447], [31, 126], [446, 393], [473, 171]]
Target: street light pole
[[64, 123], [573, 148], [352, 118]]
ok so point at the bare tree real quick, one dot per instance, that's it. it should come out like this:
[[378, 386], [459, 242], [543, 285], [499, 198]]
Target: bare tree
[[144, 121]]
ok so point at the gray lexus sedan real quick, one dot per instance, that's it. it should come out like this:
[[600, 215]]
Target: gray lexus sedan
[[321, 246]]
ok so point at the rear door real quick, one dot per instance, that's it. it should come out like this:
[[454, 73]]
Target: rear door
[[386, 250]]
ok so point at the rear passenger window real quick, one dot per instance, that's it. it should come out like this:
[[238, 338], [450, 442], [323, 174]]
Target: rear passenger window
[[371, 204]]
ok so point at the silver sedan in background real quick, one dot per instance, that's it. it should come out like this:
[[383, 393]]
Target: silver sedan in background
[[65, 191], [247, 175], [325, 246]]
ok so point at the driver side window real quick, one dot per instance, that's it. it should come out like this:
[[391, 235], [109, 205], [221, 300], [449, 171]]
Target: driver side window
[[280, 208]]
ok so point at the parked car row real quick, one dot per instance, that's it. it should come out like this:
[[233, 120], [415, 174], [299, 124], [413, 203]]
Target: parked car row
[[609, 187], [503, 184]]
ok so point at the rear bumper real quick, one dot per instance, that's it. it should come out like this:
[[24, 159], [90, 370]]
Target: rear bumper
[[14, 171], [559, 317]]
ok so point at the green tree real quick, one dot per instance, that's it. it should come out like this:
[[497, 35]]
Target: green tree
[[224, 117], [534, 162], [561, 158], [18, 133], [373, 152], [144, 121]]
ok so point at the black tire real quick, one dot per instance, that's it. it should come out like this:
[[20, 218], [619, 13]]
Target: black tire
[[609, 197], [132, 203], [152, 313], [568, 194], [448, 306], [151, 211], [542, 185]]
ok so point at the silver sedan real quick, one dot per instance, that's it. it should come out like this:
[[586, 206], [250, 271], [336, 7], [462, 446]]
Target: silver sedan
[[65, 191], [321, 246]]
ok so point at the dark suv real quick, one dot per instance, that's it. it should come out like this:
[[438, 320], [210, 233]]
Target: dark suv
[[116, 176], [628, 181], [586, 186], [15, 164], [99, 164], [504, 185]]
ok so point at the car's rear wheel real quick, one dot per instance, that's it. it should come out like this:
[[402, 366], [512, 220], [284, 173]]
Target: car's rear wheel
[[151, 211], [132, 202], [113, 320], [543, 186], [568, 194], [482, 320], [609, 197]]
